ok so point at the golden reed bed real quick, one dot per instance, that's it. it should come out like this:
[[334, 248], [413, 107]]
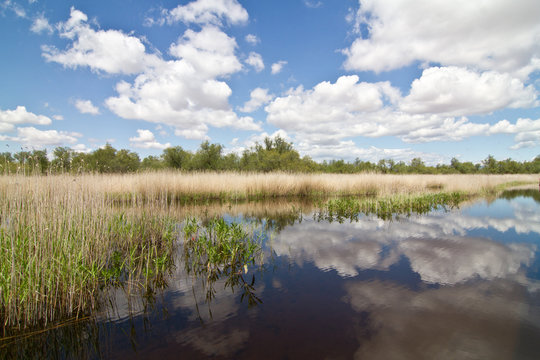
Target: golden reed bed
[[168, 184]]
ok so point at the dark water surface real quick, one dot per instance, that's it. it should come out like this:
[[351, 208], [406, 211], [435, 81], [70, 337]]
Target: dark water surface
[[458, 284]]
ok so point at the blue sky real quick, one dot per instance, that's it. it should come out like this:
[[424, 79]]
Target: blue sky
[[340, 79]]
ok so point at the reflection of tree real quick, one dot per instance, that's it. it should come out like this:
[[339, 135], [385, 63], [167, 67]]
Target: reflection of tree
[[528, 193], [386, 208]]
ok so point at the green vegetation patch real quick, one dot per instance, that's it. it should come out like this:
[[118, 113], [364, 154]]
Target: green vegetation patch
[[53, 267], [220, 249], [385, 208]]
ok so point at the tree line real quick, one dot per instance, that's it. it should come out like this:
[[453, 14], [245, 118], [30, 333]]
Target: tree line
[[272, 155]]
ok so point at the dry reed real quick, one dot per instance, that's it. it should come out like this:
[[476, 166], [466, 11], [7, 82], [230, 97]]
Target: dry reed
[[167, 186]]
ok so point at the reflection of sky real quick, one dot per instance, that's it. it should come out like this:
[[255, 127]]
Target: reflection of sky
[[437, 245], [468, 321], [457, 318]]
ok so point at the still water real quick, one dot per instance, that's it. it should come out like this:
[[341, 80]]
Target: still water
[[452, 284]]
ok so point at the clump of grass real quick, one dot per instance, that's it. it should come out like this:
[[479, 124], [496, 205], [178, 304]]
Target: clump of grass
[[221, 249], [60, 249], [386, 207]]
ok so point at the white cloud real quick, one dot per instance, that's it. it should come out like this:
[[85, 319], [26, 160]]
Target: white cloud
[[278, 66], [313, 4], [40, 25], [209, 12], [39, 138], [16, 8], [184, 92], [58, 117], [527, 132], [256, 139], [258, 97], [147, 140], [254, 59], [457, 91], [252, 39], [111, 51], [332, 111], [348, 150], [10, 118], [197, 132], [328, 114], [499, 35], [81, 148], [86, 107], [210, 52]]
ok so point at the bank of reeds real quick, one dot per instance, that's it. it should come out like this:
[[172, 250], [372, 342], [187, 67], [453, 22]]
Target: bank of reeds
[[167, 186], [60, 246]]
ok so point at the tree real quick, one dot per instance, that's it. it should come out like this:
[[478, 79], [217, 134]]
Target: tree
[[62, 159], [417, 166], [6, 159], [152, 163], [208, 157], [176, 157], [40, 161], [102, 160], [490, 165], [126, 161]]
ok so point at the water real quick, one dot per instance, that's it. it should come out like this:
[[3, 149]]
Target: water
[[458, 284]]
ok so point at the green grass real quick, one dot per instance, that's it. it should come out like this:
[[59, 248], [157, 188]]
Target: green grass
[[385, 208], [56, 267], [220, 249]]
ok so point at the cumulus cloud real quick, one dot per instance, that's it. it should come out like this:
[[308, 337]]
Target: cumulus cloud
[[110, 51], [185, 92], [254, 59], [147, 140], [458, 91], [208, 12], [258, 97], [434, 110], [278, 66], [500, 36], [527, 132], [39, 138], [349, 150], [41, 24], [252, 39], [81, 148], [330, 112], [182, 94], [86, 107], [210, 51], [10, 118]]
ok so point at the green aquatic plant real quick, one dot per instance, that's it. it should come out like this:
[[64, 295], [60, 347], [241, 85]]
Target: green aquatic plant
[[55, 260], [220, 249], [350, 208]]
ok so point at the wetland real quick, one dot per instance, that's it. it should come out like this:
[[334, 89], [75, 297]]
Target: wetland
[[443, 273]]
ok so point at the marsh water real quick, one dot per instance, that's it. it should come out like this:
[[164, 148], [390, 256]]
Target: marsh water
[[459, 283]]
